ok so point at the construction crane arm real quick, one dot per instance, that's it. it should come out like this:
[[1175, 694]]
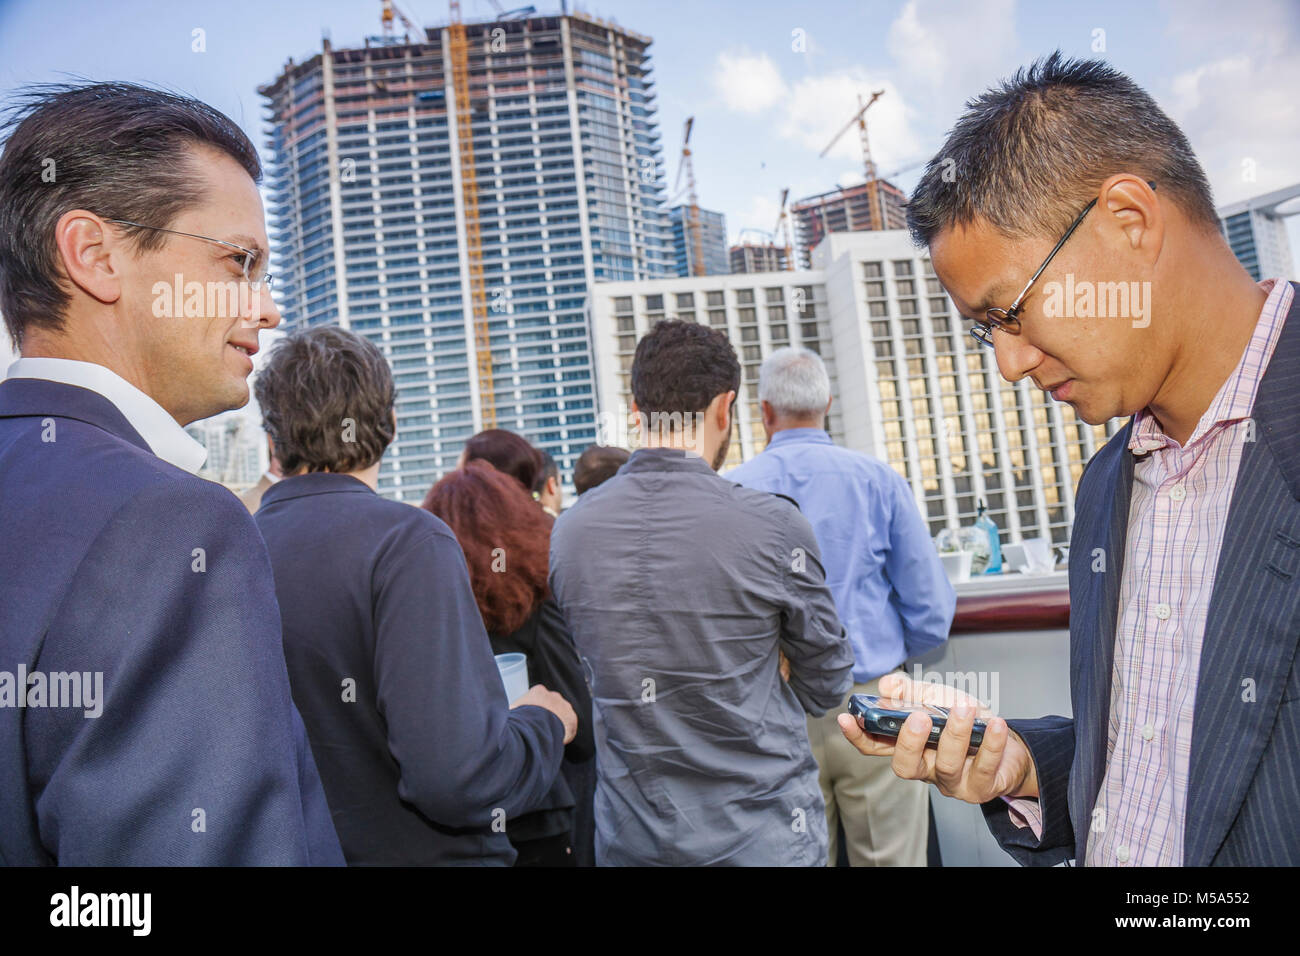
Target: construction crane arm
[[849, 125]]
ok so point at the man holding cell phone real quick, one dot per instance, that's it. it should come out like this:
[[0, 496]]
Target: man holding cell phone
[[1184, 743]]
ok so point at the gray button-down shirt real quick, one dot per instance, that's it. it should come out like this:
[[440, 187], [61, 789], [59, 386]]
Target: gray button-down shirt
[[680, 587]]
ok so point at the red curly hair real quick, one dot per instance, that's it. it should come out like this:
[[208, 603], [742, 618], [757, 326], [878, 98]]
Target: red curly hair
[[506, 539]]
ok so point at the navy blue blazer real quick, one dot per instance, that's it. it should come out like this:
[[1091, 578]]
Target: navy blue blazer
[[422, 758], [115, 562], [1243, 794]]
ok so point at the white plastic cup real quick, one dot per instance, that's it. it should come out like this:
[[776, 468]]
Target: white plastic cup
[[514, 675], [957, 564]]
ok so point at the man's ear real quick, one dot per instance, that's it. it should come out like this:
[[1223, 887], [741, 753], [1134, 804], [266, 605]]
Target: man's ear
[[726, 402], [1133, 213], [552, 485], [86, 250]]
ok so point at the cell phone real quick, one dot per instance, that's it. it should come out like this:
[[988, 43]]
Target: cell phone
[[885, 716]]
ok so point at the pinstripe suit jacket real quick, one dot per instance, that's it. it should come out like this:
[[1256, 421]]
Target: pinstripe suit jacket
[[1243, 796]]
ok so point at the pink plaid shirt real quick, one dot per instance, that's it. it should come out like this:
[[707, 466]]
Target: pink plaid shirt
[[1179, 508]]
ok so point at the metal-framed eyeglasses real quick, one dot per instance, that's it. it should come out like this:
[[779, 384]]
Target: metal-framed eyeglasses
[[249, 264], [1008, 320]]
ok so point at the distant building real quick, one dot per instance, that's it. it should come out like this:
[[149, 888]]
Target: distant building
[[847, 209], [369, 198], [755, 257], [908, 384], [1256, 232], [236, 447], [713, 241]]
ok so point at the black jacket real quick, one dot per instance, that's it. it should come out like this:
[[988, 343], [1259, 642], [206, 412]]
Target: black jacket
[[390, 666], [553, 661]]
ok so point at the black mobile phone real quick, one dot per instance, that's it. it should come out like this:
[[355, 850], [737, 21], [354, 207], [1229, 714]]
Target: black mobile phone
[[884, 716]]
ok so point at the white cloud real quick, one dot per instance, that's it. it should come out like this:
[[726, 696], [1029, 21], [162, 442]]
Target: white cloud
[[748, 83], [947, 50], [1237, 106], [760, 214], [820, 106]]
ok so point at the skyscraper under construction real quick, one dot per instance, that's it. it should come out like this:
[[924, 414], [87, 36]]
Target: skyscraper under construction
[[453, 196]]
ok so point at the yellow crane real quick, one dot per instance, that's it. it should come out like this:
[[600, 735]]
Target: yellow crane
[[782, 229], [459, 48], [873, 192], [694, 231], [392, 11]]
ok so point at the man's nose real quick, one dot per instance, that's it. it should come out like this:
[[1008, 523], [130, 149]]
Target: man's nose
[[1015, 355], [263, 314]]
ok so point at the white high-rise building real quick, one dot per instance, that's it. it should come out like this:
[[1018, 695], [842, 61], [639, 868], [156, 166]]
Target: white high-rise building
[[909, 385], [1256, 231]]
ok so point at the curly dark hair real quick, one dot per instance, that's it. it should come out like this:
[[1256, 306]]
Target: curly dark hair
[[327, 401], [506, 539], [679, 367]]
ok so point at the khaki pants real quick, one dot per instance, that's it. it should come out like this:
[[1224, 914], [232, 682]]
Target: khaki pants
[[885, 819]]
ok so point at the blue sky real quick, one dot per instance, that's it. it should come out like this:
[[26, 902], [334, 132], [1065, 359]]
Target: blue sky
[[768, 83]]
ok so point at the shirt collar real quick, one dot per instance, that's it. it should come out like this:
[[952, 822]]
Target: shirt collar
[[666, 459], [791, 435], [165, 437], [1236, 396], [314, 483]]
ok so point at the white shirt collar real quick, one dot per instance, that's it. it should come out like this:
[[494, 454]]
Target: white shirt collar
[[168, 440]]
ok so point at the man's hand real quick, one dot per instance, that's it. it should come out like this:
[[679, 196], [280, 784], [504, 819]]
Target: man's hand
[[785, 667], [1001, 767], [539, 696]]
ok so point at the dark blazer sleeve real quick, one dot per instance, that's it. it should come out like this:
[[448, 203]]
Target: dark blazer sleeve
[[1051, 743], [561, 671], [462, 753], [198, 756]]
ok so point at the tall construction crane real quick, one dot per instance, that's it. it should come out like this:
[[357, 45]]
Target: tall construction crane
[[873, 191], [392, 11], [782, 229], [693, 214], [459, 48]]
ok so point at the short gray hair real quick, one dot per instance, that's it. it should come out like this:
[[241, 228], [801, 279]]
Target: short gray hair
[[794, 382]]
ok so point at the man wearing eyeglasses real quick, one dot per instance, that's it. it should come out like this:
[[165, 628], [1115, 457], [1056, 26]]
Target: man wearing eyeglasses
[[116, 562], [1184, 743]]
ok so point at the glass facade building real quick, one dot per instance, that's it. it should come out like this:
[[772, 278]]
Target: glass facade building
[[1256, 232], [367, 200], [713, 241]]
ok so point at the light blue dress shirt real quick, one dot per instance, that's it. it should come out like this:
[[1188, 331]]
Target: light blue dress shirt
[[890, 589]]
